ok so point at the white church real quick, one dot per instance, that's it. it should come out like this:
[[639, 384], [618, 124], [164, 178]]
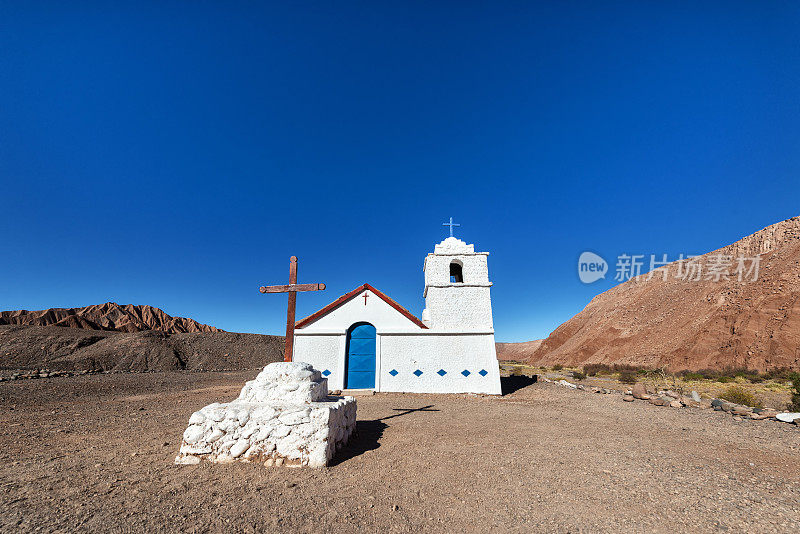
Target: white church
[[366, 340]]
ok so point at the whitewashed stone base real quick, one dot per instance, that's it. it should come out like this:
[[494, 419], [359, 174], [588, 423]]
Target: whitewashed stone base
[[283, 417]]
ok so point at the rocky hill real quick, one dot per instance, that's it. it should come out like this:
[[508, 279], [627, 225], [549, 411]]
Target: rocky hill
[[683, 323], [69, 349], [109, 316]]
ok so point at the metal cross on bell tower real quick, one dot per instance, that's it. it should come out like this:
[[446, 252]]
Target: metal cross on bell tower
[[451, 224]]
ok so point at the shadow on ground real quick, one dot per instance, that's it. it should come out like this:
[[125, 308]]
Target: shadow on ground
[[368, 434], [510, 384]]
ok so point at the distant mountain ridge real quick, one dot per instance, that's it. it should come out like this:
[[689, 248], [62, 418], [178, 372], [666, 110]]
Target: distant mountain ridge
[[109, 317], [517, 351]]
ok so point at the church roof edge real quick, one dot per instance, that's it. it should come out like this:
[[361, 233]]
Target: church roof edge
[[348, 296]]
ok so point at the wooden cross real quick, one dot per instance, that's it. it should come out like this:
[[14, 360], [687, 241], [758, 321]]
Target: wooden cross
[[292, 289], [365, 298]]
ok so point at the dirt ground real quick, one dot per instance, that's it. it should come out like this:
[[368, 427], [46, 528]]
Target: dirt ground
[[94, 454]]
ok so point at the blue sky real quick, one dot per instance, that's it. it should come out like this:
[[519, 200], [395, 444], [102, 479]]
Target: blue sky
[[177, 153]]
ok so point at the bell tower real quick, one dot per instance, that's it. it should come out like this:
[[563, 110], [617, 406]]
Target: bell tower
[[457, 288]]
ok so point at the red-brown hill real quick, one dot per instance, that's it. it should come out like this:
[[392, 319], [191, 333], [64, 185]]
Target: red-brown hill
[[684, 324], [109, 316]]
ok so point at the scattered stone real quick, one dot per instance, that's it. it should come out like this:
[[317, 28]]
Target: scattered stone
[[717, 404], [737, 418], [675, 404], [628, 398], [565, 383], [670, 393], [741, 410], [639, 391], [696, 396]]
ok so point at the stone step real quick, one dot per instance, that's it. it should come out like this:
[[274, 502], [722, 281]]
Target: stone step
[[357, 392]]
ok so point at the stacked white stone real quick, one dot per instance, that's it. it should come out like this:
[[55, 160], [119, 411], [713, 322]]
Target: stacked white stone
[[283, 417]]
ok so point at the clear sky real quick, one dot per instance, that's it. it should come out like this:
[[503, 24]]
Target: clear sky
[[177, 153]]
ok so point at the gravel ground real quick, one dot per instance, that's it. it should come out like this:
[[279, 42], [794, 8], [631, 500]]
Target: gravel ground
[[94, 453]]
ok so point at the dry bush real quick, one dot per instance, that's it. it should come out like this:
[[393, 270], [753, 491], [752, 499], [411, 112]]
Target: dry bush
[[739, 395], [558, 367], [594, 369], [628, 377], [577, 375], [794, 405]]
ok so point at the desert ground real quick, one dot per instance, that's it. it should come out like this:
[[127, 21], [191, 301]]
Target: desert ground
[[94, 454]]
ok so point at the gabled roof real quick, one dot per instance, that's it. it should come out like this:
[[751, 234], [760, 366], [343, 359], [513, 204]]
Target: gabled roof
[[347, 296]]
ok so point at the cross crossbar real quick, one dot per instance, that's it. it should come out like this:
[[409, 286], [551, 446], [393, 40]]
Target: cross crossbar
[[292, 287]]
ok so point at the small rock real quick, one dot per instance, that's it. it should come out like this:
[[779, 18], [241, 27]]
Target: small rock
[[628, 398], [639, 391], [675, 404], [737, 418], [695, 396]]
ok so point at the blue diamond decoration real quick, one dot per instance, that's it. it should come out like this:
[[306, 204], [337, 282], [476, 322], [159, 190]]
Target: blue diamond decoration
[[441, 372], [418, 372], [483, 372], [393, 372], [325, 372], [465, 372]]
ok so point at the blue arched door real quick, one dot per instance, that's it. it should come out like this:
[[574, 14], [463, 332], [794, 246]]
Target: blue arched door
[[360, 357]]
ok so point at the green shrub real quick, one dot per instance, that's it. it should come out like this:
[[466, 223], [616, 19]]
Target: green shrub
[[690, 375], [794, 405], [739, 395], [577, 375], [558, 367], [724, 379], [627, 377], [709, 374]]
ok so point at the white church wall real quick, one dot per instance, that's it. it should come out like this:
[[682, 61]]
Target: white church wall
[[405, 353], [431, 353], [325, 353]]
